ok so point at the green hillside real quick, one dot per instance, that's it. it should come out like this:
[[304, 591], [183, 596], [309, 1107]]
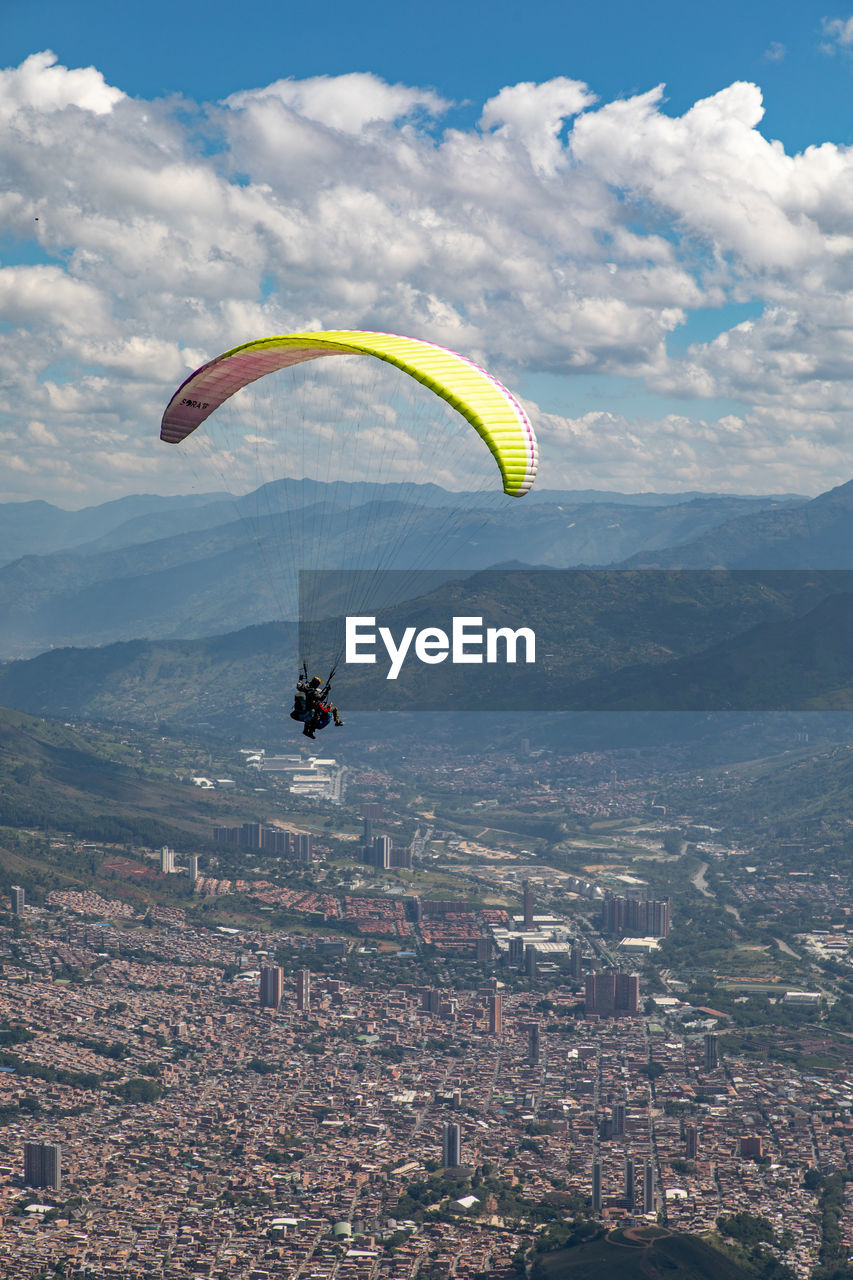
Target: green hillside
[[233, 683], [52, 778], [606, 640], [640, 1255]]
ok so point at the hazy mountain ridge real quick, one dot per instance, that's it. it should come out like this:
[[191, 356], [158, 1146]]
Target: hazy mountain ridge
[[162, 568], [608, 640], [233, 683], [39, 528], [192, 595], [621, 640], [801, 661], [813, 535], [72, 598]]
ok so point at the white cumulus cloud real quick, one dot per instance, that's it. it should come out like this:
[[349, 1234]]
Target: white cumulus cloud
[[349, 102], [40, 85], [557, 236]]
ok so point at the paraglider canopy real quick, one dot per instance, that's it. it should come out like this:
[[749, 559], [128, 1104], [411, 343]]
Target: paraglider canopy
[[488, 406], [386, 474]]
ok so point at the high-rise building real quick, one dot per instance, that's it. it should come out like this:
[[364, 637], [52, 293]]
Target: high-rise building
[[303, 989], [379, 853], [496, 1014], [596, 1186], [516, 951], [627, 995], [610, 993], [167, 860], [530, 956], [271, 986], [649, 1203], [610, 913], [304, 847], [192, 867], [370, 813], [484, 950], [600, 992], [43, 1165], [752, 1146], [274, 840], [630, 1193], [528, 906], [619, 1120], [431, 1000], [251, 835], [451, 1146], [401, 857], [648, 917], [712, 1053], [691, 1141], [576, 962], [226, 835], [660, 919], [18, 900], [533, 1043]]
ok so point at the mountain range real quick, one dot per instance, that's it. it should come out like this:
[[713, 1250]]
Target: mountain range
[[160, 609], [817, 534], [165, 568]]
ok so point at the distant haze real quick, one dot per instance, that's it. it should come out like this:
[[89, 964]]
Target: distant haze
[[184, 567]]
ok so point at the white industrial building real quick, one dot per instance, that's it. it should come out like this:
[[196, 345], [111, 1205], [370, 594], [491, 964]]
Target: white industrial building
[[318, 777]]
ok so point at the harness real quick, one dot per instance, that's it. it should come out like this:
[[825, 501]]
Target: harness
[[322, 694]]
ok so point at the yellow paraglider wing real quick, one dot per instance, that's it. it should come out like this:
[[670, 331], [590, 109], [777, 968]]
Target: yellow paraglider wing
[[491, 409]]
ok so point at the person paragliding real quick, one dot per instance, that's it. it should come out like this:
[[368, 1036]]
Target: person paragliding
[[311, 704], [305, 698], [476, 395]]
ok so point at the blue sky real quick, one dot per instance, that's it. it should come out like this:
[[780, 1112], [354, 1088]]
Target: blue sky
[[465, 50], [664, 276]]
